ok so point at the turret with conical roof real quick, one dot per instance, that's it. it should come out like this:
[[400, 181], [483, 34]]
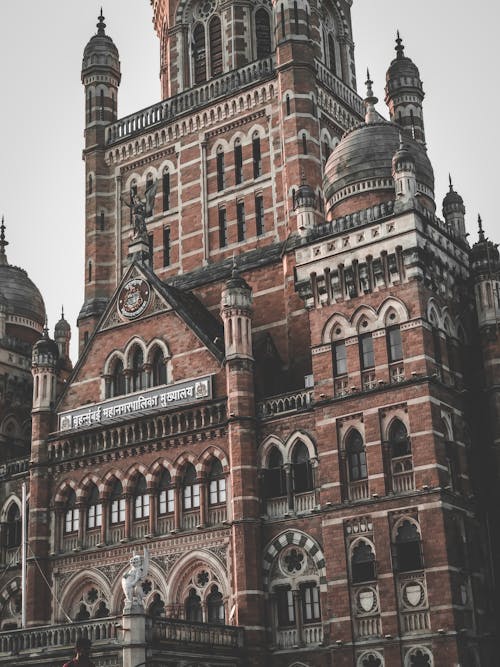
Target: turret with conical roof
[[404, 94], [236, 311], [485, 265], [454, 212]]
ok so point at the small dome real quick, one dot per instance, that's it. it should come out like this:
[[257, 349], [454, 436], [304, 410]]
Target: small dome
[[484, 254], [452, 200], [362, 162], [101, 50], [62, 328], [402, 70], [305, 196], [402, 156], [236, 281], [45, 348]]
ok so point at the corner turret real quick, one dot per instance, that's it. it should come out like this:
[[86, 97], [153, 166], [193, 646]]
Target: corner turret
[[236, 311], [454, 212]]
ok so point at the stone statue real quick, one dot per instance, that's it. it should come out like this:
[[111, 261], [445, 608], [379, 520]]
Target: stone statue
[[141, 209], [132, 580]]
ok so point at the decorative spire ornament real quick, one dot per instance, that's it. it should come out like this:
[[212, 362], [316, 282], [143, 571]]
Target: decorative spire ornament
[[101, 26], [400, 49], [370, 100], [3, 243], [480, 225]]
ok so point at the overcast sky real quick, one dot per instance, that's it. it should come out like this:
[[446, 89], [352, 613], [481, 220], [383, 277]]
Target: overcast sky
[[41, 113]]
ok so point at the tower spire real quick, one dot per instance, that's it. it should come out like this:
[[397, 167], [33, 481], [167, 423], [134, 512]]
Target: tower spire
[[3, 243], [480, 225], [400, 49], [101, 26], [370, 100]]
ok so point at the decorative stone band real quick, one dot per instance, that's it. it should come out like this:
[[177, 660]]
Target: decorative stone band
[[146, 402]]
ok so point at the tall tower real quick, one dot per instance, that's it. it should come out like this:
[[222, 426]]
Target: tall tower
[[404, 94], [101, 79]]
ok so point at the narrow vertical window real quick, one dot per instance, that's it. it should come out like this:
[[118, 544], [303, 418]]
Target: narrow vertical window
[[310, 603], [304, 144], [282, 14], [215, 33], [101, 221], [190, 488], [158, 370], [437, 345], [394, 345], [308, 27], [102, 104], [199, 54], [240, 218], [366, 351], [287, 105], [141, 498], [285, 607], [339, 358], [262, 33], [296, 17], [89, 272], [166, 189], [166, 494], [89, 107], [151, 246], [166, 246], [356, 457], [331, 53], [72, 514], [118, 504], [238, 164], [91, 185], [259, 215], [222, 228], [257, 159], [220, 169]]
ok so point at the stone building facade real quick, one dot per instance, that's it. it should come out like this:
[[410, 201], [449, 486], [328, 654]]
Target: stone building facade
[[287, 380]]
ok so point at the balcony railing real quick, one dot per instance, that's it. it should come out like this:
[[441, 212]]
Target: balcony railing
[[139, 529], [174, 630], [190, 520], [368, 627], [165, 524], [358, 490], [276, 507], [52, 636], [333, 83], [185, 102], [341, 387], [217, 515], [397, 373], [290, 638], [368, 380], [402, 474], [285, 403], [304, 502]]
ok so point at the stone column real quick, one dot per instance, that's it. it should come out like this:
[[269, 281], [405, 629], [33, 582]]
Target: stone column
[[134, 636]]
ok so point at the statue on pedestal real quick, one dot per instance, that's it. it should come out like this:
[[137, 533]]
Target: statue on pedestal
[[132, 580]]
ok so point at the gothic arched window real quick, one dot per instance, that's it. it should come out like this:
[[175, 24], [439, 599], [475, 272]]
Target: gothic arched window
[[193, 607], [141, 498], [13, 527], [71, 514], [215, 36], [301, 469], [398, 439], [262, 33], [217, 484], [117, 379], [166, 494], [138, 376], [221, 182], [331, 53], [362, 563], [158, 369], [274, 475], [118, 503], [190, 488], [199, 54], [356, 457], [215, 606], [94, 508], [408, 548]]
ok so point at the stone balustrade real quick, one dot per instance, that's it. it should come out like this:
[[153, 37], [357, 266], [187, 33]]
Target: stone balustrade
[[339, 88], [285, 403], [176, 630]]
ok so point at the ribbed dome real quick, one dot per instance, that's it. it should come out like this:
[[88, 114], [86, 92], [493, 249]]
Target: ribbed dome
[[101, 50], [45, 349], [452, 199], [21, 294], [402, 70], [364, 157], [62, 327]]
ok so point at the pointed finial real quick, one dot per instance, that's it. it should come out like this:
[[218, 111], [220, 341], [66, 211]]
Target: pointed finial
[[480, 225], [451, 182], [101, 25], [3, 243], [234, 271], [370, 100], [62, 312], [46, 327], [400, 49]]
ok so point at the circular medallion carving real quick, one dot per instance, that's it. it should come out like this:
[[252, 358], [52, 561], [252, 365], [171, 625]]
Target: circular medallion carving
[[134, 298]]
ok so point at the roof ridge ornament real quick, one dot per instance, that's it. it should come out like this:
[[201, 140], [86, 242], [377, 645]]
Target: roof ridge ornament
[[481, 230], [3, 243], [400, 49], [101, 26]]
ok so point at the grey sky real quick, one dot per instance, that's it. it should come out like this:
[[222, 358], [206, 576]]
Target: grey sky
[[41, 113]]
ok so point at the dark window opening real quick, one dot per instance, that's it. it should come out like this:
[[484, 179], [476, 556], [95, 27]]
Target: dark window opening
[[118, 504], [215, 33], [238, 164], [216, 484], [151, 246], [94, 508], [356, 457], [141, 498], [274, 476], [302, 477], [394, 345], [166, 494], [259, 215], [240, 219], [91, 185], [101, 221], [89, 272], [222, 228], [89, 107], [118, 379], [193, 607], [166, 246], [158, 369], [408, 548], [215, 606], [436, 338], [166, 190], [257, 158], [72, 514], [296, 17], [285, 607], [102, 104], [287, 102], [190, 488], [331, 53], [263, 33], [220, 171], [199, 54], [282, 15], [362, 563], [398, 439], [13, 527], [304, 144], [138, 375], [311, 610]]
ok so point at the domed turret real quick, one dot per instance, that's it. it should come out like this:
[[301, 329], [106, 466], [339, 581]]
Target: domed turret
[[24, 310], [454, 212], [305, 207], [404, 94], [359, 171], [404, 174], [485, 264], [45, 358], [236, 311], [101, 76], [62, 336]]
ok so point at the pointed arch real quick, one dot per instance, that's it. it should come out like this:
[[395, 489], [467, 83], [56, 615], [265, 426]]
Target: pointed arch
[[211, 453], [298, 538]]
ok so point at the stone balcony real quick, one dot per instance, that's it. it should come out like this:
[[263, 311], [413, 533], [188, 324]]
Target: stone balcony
[[285, 403]]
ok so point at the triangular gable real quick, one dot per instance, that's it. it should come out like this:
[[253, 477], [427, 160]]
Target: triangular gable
[[142, 294]]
